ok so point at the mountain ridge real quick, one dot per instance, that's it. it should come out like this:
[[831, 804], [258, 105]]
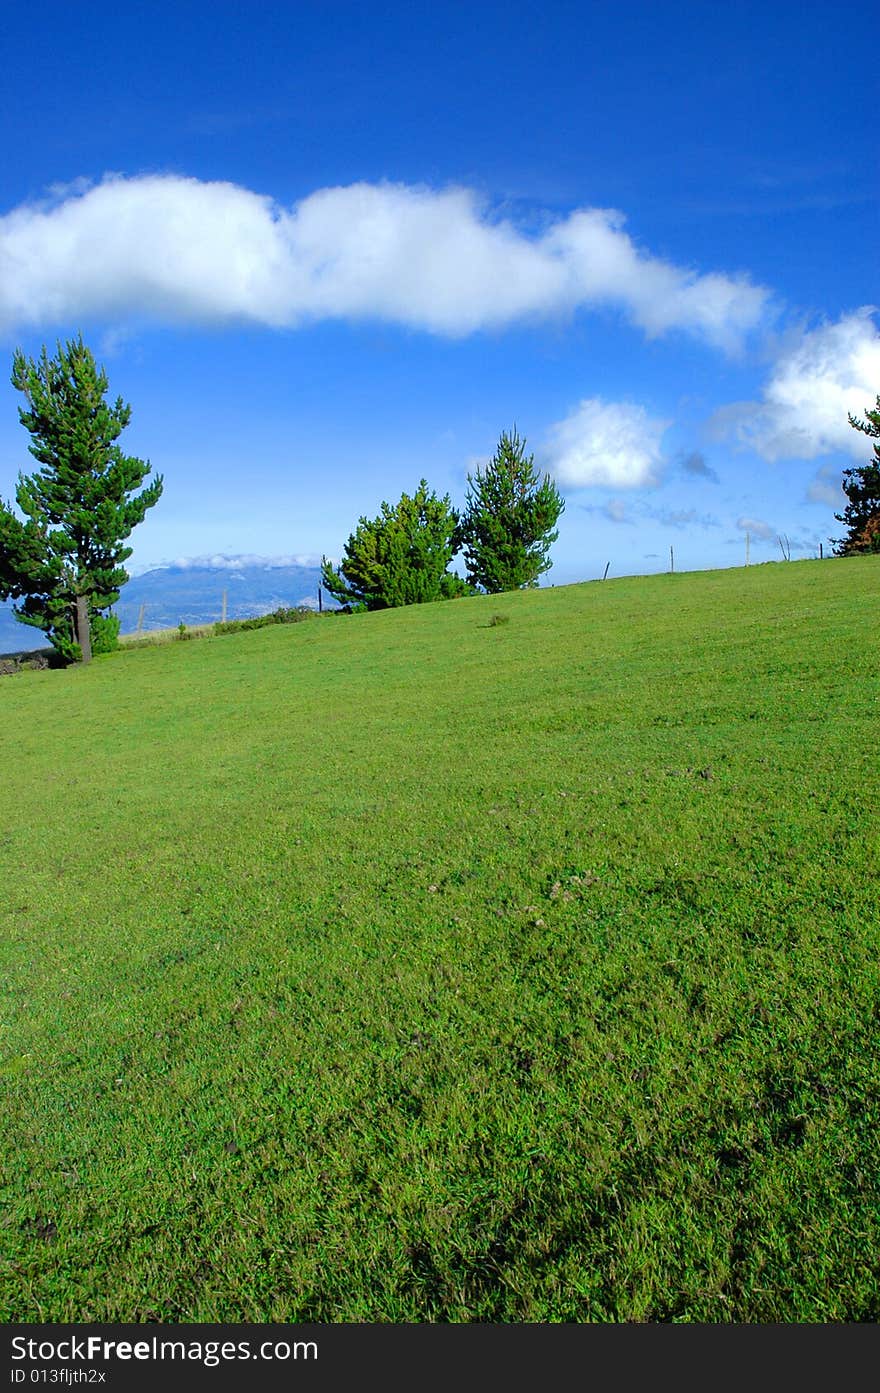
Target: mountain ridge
[[192, 593]]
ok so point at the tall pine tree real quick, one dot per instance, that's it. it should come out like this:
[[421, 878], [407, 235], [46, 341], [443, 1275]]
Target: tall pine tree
[[862, 488], [510, 520], [63, 561]]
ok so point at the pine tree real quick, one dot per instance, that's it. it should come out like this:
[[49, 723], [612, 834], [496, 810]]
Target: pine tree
[[862, 488], [64, 560], [510, 520], [400, 557]]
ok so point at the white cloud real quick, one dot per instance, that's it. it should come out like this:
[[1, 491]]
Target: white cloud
[[181, 250], [221, 562], [616, 444], [615, 510], [605, 265], [827, 374], [825, 487], [682, 518], [756, 528]]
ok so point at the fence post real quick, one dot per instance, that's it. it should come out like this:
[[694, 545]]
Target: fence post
[[140, 623], [607, 564], [223, 617]]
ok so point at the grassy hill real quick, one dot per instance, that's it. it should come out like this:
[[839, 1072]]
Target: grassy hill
[[414, 967]]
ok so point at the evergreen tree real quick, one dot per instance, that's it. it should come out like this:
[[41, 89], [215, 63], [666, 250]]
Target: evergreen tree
[[862, 488], [400, 557], [510, 520], [64, 560]]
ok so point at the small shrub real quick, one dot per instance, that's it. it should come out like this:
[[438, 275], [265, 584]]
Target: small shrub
[[498, 619], [105, 633], [293, 615]]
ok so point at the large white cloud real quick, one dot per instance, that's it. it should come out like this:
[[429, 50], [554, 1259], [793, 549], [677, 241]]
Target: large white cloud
[[825, 375], [616, 444], [179, 249]]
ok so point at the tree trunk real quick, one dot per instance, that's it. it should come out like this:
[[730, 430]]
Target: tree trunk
[[83, 632]]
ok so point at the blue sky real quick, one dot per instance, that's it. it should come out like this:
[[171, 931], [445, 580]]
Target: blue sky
[[325, 250]]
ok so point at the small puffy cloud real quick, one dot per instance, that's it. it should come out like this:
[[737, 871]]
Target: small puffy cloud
[[70, 188], [682, 518], [615, 510], [756, 528], [825, 487], [694, 465], [817, 382], [181, 250], [615, 444]]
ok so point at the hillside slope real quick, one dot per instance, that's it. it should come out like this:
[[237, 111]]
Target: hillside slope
[[414, 966]]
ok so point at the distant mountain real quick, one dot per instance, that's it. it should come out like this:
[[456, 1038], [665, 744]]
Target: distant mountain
[[193, 594], [18, 638]]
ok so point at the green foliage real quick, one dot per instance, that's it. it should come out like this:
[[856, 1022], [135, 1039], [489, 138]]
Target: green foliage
[[452, 587], [509, 521], [63, 558], [105, 633], [400, 557], [862, 488], [294, 615], [498, 619]]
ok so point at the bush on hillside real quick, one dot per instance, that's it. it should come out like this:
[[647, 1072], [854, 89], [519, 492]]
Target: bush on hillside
[[400, 557], [294, 615], [105, 633]]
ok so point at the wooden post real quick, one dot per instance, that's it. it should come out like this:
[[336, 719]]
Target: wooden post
[[607, 564], [223, 618], [320, 601], [821, 554], [671, 560], [140, 623]]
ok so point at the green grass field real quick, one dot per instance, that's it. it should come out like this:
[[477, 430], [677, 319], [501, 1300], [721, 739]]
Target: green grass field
[[406, 967]]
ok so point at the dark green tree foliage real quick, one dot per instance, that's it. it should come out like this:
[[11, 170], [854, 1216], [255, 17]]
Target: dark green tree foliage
[[510, 520], [862, 488], [400, 557], [63, 561]]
